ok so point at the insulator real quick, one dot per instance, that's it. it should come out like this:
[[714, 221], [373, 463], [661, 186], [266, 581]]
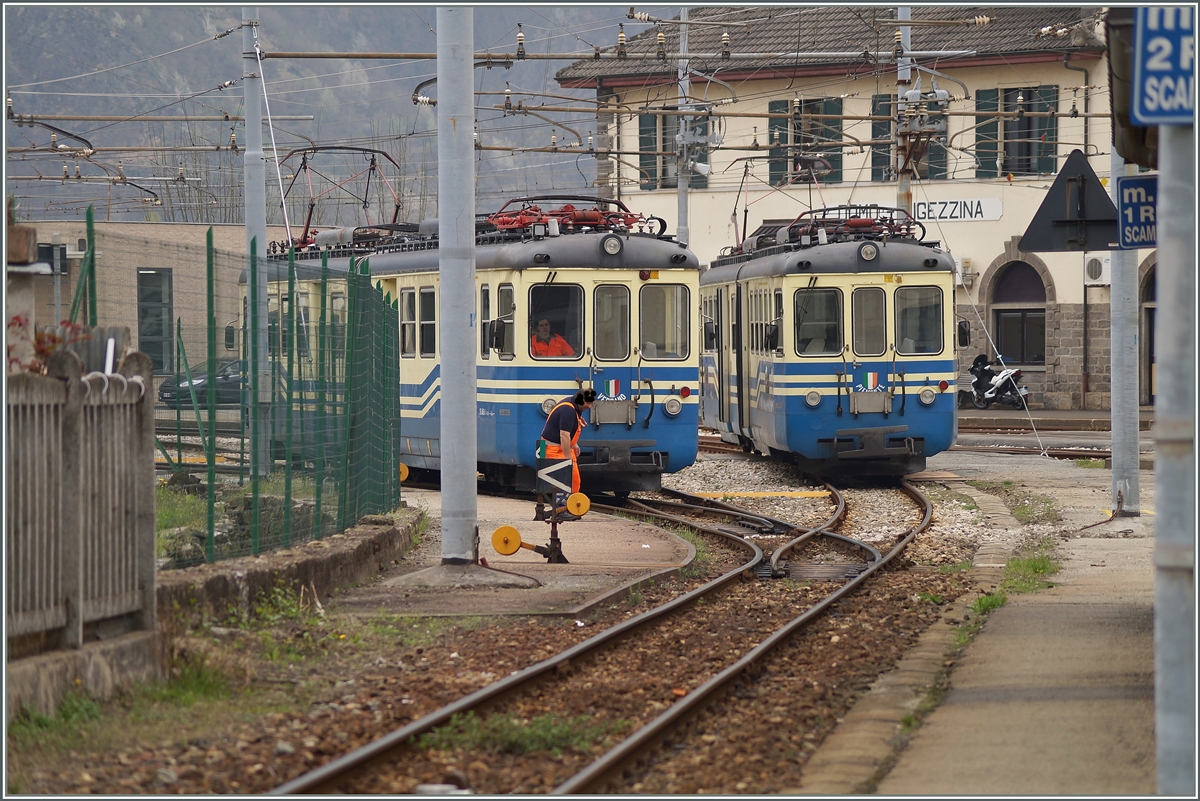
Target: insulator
[[64, 172], [621, 40], [725, 44], [662, 46], [1074, 110], [981, 20], [774, 137], [795, 106], [181, 172], [899, 36], [754, 142], [553, 139], [520, 43], [590, 144], [1062, 32], [9, 105], [424, 100], [77, 175], [507, 99], [232, 141], [1049, 29], [642, 16], [53, 140]]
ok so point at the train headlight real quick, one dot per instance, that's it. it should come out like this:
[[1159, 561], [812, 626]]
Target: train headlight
[[611, 244], [812, 398], [928, 395], [548, 406], [868, 252], [672, 406]]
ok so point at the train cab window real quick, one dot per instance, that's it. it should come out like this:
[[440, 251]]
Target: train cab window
[[556, 321], [408, 322], [818, 316], [775, 328], [485, 317], [918, 320], [665, 324], [504, 336], [428, 321], [611, 324], [868, 321]]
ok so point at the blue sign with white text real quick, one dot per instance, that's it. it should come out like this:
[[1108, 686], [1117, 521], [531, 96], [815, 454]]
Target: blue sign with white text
[[1136, 204], [1164, 66]]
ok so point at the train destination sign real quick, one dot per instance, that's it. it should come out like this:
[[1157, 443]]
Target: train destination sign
[[1164, 66], [960, 210], [1136, 211]]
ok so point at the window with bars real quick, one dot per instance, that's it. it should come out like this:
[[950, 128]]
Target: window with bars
[[1019, 144], [657, 132], [799, 143], [931, 167]]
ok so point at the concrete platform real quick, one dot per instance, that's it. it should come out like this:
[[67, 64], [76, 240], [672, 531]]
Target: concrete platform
[[608, 556]]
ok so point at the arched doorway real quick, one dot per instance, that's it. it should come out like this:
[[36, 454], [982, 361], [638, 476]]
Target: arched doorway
[[1147, 304], [1019, 314]]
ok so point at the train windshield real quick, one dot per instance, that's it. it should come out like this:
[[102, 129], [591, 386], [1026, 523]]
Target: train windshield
[[818, 321], [665, 322], [556, 321], [612, 322], [869, 321], [918, 320]]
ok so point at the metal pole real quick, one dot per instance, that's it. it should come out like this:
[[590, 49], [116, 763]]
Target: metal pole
[[1123, 360], [682, 173], [55, 240], [1174, 467], [903, 76], [254, 172], [456, 260]]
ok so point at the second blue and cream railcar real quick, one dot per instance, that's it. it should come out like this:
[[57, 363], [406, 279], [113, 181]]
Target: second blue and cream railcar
[[619, 297], [829, 341]]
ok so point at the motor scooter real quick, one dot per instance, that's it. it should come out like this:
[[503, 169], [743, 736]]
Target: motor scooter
[[990, 387]]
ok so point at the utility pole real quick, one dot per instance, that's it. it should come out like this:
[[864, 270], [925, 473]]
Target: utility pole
[[254, 173], [903, 137], [456, 262], [1123, 361], [682, 173]]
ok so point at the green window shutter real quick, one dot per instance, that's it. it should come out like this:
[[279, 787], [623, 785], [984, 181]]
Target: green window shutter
[[881, 155], [1045, 98], [648, 141], [778, 164], [699, 155], [987, 146], [831, 130]]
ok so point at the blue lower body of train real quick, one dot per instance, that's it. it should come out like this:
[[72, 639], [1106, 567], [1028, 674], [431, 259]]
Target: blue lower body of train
[[629, 441], [876, 419]]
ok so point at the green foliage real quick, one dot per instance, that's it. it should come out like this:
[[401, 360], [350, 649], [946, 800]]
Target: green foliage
[[174, 509], [74, 709], [1028, 573], [1025, 506], [192, 680], [958, 567], [634, 596], [699, 565], [930, 598], [509, 735], [988, 602], [1090, 464]]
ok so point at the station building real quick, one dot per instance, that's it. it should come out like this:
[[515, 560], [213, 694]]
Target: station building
[[1025, 88]]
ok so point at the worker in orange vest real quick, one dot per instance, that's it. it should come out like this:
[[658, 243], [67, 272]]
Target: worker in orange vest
[[560, 436]]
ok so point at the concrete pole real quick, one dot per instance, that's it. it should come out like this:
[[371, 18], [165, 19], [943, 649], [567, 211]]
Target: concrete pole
[[682, 173], [1174, 465], [456, 229], [255, 191], [1123, 359], [903, 77]]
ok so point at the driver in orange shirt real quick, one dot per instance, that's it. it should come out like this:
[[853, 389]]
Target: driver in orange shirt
[[545, 342]]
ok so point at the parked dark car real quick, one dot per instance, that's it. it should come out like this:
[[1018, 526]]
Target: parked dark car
[[229, 386]]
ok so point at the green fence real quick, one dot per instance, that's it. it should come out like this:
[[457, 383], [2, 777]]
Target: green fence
[[263, 447]]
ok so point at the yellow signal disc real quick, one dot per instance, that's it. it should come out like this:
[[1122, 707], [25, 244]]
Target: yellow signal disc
[[578, 504], [506, 540], [403, 471]]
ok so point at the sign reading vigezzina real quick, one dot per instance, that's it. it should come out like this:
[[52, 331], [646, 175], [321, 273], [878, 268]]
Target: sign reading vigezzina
[[962, 210], [1164, 66]]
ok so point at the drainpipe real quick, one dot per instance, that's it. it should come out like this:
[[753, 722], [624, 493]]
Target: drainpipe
[[1083, 378]]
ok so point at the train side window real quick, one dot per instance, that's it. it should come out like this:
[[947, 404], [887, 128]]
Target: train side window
[[777, 323], [665, 323], [556, 321], [818, 316], [918, 320], [611, 315], [868, 321], [428, 321], [408, 323], [485, 318], [503, 328]]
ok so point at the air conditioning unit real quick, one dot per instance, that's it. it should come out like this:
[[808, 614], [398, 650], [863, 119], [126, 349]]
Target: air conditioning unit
[[963, 276], [1097, 269]]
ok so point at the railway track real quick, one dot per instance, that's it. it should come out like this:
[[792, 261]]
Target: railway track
[[697, 650], [713, 444]]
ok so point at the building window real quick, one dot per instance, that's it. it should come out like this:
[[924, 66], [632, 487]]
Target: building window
[[932, 164], [1020, 144], [803, 148], [428, 322], [657, 132], [155, 314], [1019, 306]]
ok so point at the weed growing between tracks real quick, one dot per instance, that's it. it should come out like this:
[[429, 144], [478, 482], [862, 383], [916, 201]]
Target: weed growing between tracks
[[1025, 506]]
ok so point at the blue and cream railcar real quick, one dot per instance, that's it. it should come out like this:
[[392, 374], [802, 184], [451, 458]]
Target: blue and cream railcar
[[829, 341], [612, 285]]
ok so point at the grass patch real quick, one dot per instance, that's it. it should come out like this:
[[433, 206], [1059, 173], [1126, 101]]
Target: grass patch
[[1090, 464], [509, 735], [958, 567], [303, 485], [930, 598], [1025, 506], [175, 509], [1028, 571], [699, 565]]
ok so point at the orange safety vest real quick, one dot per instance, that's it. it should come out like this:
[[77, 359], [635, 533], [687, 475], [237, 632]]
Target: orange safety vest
[[554, 449]]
